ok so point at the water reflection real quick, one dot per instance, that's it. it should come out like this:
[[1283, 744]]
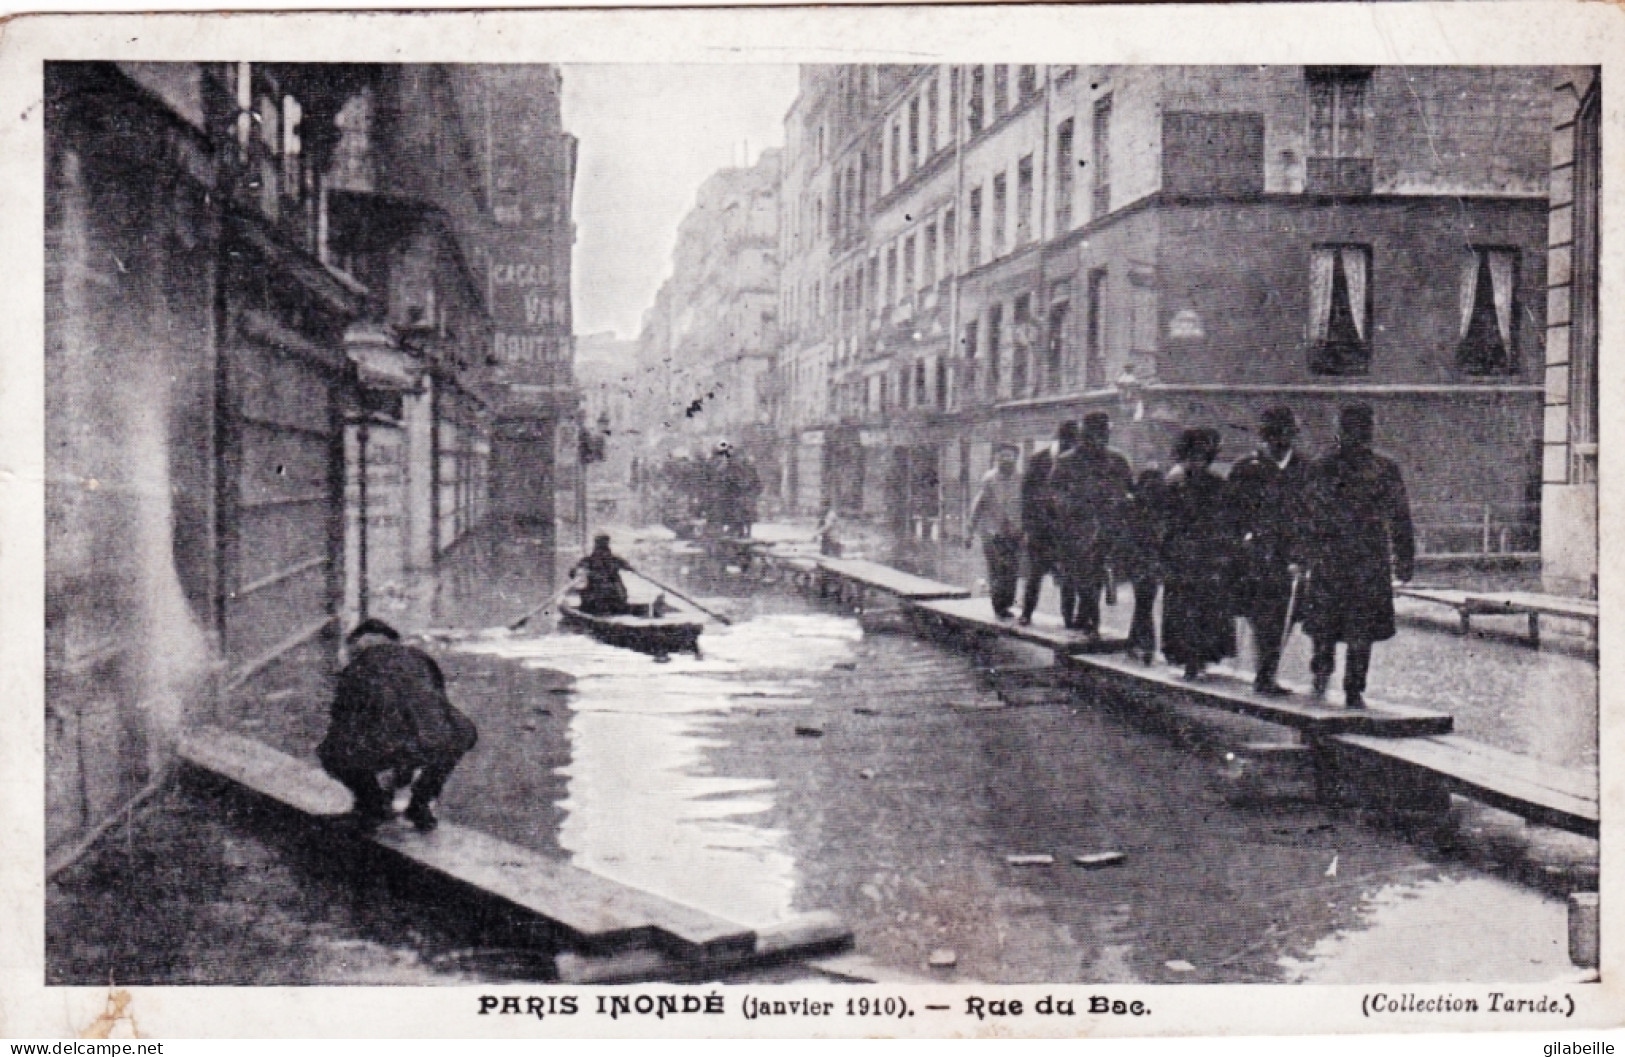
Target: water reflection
[[643, 803]]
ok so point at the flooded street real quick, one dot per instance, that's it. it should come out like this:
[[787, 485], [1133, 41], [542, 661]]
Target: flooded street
[[806, 761]]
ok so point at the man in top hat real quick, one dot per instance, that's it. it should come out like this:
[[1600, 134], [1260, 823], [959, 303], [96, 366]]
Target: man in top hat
[[1039, 522], [1092, 483], [1268, 488], [996, 514], [1359, 540], [391, 713]]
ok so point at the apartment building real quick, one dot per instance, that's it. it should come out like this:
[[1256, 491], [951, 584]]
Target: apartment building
[[1184, 246]]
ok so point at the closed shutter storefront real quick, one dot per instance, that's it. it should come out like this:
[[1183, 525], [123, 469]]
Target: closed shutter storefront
[[282, 488]]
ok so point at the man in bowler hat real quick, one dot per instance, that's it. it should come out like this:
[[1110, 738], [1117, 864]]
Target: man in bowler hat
[[1269, 488], [391, 713], [1359, 540], [1092, 485]]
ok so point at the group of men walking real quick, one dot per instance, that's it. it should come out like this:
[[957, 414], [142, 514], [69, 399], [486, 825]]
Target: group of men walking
[[1282, 539]]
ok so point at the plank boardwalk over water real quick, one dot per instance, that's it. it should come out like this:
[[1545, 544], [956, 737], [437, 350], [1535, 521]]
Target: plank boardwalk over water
[[976, 614], [892, 581], [1104, 660], [1555, 796], [589, 908], [1300, 711]]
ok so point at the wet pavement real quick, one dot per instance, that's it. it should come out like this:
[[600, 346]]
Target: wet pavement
[[807, 762]]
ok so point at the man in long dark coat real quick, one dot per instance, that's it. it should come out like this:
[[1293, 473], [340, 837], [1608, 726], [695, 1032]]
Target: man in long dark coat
[[1038, 523], [1269, 489], [1092, 483], [1360, 538], [390, 713]]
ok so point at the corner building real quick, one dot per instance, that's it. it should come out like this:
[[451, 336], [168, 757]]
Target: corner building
[[1182, 246]]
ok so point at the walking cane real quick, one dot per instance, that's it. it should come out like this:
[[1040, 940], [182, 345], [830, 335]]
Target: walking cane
[[1291, 607]]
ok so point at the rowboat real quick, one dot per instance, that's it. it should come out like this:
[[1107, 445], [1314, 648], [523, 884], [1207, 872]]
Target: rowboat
[[638, 630]]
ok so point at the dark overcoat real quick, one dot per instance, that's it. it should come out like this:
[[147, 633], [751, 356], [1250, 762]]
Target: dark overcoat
[[1198, 566], [1359, 537], [391, 709], [1140, 530], [1038, 502], [1271, 517], [1091, 487], [605, 592]]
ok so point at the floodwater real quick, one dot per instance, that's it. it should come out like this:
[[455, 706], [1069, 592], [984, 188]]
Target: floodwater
[[809, 762], [804, 763]]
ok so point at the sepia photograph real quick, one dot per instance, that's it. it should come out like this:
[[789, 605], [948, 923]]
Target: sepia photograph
[[852, 536]]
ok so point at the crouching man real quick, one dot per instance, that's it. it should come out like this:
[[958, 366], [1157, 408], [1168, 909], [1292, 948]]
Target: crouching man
[[391, 713]]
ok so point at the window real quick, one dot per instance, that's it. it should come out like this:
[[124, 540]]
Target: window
[[859, 290], [885, 397], [928, 265], [1021, 347], [908, 266], [1340, 309], [1063, 177], [874, 284], [1024, 200], [1339, 130], [896, 152], [1102, 160], [1489, 312], [891, 275], [913, 134], [1055, 345], [968, 351], [863, 184], [973, 236], [953, 95], [1026, 82], [995, 320], [919, 383], [942, 384], [1001, 202], [978, 87], [950, 264], [1094, 338], [1001, 91], [932, 109]]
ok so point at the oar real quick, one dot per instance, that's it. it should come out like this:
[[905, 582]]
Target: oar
[[673, 591], [569, 583]]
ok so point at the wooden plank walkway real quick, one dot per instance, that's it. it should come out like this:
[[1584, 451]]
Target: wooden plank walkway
[[876, 577], [1530, 604], [1229, 693], [590, 910], [976, 615], [1550, 795]]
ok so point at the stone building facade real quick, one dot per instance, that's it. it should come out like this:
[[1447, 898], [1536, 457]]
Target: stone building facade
[[1183, 246], [271, 390], [708, 344]]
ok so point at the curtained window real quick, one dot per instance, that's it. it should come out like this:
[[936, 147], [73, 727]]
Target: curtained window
[[1488, 311], [1340, 309]]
